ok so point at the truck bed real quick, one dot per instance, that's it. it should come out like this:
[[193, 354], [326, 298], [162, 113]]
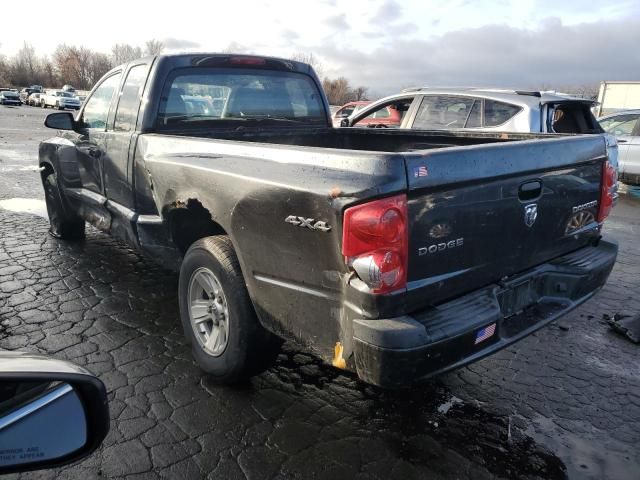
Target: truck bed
[[369, 139]]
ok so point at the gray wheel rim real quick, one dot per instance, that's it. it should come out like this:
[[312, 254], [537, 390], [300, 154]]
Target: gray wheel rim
[[208, 312]]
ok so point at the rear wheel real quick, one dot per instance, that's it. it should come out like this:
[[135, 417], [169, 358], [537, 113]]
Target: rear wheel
[[217, 315], [64, 225]]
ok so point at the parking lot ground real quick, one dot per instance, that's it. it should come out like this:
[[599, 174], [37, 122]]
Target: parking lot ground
[[565, 402]]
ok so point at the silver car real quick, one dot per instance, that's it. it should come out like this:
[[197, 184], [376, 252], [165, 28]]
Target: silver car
[[484, 110], [626, 127]]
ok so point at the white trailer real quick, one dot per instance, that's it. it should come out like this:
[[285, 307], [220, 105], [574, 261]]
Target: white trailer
[[615, 96]]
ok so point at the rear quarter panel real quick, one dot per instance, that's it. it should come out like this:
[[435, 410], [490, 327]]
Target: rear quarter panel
[[296, 276]]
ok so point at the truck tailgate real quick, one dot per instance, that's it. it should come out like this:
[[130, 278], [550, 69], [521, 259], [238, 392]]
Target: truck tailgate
[[480, 214]]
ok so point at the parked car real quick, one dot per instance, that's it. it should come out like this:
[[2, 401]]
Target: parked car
[[626, 127], [398, 255], [346, 110], [52, 412], [9, 97], [483, 110], [35, 99], [24, 95], [36, 88], [61, 100], [384, 117]]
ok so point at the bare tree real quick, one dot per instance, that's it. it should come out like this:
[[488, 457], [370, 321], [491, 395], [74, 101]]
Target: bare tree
[[360, 93], [123, 53], [4, 73], [47, 74], [24, 65], [311, 59], [79, 66], [153, 47], [100, 64]]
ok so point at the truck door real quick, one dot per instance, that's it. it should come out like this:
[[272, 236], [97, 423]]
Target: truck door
[[120, 141], [90, 146]]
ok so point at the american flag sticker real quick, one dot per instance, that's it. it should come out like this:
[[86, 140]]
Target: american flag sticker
[[420, 171], [484, 333]]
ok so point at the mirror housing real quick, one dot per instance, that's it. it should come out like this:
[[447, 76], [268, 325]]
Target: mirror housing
[[60, 121], [344, 122], [52, 412]]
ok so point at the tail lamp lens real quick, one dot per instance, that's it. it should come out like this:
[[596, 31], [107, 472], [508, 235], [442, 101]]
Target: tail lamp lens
[[374, 243], [607, 188]]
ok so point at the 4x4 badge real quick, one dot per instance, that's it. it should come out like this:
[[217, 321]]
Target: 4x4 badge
[[308, 223], [530, 214]]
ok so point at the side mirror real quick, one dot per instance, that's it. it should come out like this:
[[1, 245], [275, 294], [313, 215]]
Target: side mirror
[[52, 412], [344, 122], [60, 121]]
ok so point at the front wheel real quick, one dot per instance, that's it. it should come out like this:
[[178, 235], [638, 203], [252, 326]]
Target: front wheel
[[217, 315], [64, 225]]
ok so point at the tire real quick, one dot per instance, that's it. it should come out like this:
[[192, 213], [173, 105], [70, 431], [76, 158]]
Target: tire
[[63, 224], [243, 346], [58, 106]]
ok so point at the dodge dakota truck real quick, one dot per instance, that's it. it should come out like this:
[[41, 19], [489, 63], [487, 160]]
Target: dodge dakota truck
[[396, 254]]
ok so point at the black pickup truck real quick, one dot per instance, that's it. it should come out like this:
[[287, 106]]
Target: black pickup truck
[[394, 254]]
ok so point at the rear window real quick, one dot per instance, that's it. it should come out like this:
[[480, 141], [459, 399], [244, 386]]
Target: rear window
[[572, 117], [194, 98], [497, 113]]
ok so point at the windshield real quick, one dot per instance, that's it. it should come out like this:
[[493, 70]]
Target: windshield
[[210, 97], [64, 94]]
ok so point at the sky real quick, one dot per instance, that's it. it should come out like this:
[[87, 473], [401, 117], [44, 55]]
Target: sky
[[385, 45]]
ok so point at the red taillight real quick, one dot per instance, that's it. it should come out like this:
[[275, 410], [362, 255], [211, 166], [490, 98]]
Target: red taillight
[[374, 243], [607, 189], [247, 61]]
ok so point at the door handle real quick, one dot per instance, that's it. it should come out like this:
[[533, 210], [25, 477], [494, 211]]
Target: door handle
[[530, 190]]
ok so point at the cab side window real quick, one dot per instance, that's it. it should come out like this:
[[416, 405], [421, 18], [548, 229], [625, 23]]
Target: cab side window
[[96, 109], [127, 112]]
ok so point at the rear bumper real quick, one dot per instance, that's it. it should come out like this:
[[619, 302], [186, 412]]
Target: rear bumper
[[400, 351]]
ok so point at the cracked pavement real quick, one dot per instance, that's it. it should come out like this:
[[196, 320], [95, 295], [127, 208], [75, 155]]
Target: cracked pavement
[[565, 402]]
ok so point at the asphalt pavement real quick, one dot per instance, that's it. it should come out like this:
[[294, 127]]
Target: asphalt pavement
[[564, 402]]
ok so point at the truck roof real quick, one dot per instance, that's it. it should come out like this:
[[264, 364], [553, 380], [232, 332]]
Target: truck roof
[[206, 59]]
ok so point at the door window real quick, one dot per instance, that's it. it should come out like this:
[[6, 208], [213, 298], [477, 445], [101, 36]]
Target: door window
[[96, 109], [393, 113], [620, 125], [127, 111], [474, 119], [443, 111]]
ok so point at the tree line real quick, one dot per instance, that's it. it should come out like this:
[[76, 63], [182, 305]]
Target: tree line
[[75, 65], [82, 67]]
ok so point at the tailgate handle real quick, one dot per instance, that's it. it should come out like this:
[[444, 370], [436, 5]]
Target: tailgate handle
[[530, 190]]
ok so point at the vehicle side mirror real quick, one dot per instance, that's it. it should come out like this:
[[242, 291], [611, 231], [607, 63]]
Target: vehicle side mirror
[[344, 122], [52, 412], [60, 121]]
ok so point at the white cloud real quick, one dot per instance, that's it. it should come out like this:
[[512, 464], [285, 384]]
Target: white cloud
[[385, 44]]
